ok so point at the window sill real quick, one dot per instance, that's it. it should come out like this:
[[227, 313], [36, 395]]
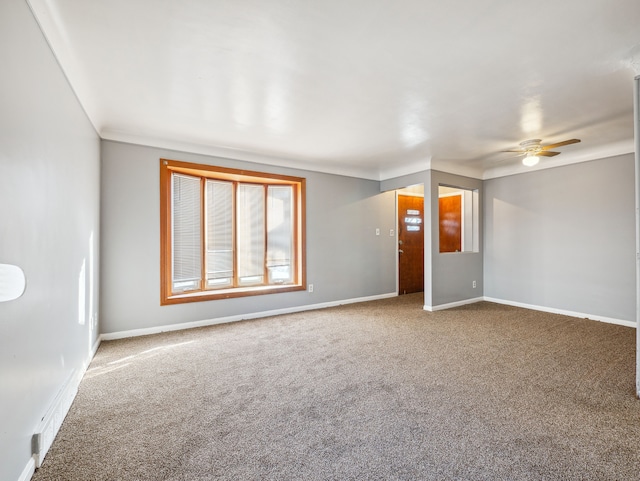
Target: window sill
[[201, 296]]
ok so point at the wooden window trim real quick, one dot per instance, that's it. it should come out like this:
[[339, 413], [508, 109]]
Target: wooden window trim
[[167, 167]]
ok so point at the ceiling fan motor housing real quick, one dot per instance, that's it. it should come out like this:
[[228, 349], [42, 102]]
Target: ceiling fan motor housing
[[532, 145]]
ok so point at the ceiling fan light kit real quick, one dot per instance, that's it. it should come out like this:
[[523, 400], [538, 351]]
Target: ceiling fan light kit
[[533, 149]]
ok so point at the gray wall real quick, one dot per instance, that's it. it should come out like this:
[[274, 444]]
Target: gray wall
[[345, 259], [453, 273], [49, 193], [564, 238]]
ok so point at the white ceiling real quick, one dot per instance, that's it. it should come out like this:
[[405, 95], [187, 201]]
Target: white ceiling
[[369, 88]]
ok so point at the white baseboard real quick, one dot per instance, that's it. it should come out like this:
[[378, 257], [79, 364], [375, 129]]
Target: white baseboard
[[52, 420], [240, 317], [50, 424], [441, 307], [552, 310], [533, 307], [28, 470]]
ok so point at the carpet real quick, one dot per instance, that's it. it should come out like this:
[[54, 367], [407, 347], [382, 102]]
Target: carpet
[[375, 390]]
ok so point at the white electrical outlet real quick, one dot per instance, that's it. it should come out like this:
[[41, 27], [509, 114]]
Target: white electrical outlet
[[474, 284], [310, 287]]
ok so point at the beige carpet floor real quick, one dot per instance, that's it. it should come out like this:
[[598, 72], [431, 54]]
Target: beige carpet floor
[[376, 390]]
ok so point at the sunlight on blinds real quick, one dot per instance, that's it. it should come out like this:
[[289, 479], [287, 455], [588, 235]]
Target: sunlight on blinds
[[279, 234], [250, 231], [185, 232], [219, 233]]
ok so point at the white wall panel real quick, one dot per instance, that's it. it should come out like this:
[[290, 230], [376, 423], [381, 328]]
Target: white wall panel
[[49, 227]]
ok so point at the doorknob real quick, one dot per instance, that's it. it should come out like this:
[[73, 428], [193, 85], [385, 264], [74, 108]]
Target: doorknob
[[400, 251]]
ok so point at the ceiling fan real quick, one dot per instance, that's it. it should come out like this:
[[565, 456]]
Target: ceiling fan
[[533, 150]]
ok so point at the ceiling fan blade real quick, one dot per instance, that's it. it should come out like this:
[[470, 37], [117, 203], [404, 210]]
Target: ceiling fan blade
[[560, 144], [518, 151], [546, 153]]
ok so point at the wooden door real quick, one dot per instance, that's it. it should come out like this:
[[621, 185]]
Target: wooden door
[[450, 223], [410, 244]]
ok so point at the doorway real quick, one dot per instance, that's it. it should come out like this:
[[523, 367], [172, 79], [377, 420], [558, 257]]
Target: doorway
[[410, 243]]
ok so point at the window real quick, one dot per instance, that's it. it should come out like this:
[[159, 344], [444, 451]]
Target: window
[[229, 233], [458, 219]]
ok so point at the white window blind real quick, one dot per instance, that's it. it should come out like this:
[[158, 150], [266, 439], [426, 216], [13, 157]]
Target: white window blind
[[250, 232], [219, 232], [279, 234], [186, 233]]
